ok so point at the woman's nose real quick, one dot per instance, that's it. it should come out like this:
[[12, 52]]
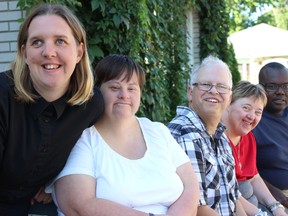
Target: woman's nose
[[49, 50], [123, 93], [250, 115]]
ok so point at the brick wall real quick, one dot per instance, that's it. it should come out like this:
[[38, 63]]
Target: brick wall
[[9, 25]]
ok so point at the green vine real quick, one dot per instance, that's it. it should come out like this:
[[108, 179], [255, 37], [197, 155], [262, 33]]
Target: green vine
[[214, 31], [153, 32]]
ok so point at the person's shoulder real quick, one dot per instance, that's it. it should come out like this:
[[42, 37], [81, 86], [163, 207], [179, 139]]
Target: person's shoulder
[[249, 136], [154, 126], [149, 123], [6, 84], [96, 102], [97, 95], [286, 112], [6, 79], [184, 116], [89, 136]]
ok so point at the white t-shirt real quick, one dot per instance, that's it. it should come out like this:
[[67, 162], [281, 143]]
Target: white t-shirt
[[149, 184]]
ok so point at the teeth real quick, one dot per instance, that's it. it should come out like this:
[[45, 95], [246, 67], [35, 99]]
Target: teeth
[[51, 66], [212, 100]]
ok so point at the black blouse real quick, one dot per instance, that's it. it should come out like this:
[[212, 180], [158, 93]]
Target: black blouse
[[36, 139]]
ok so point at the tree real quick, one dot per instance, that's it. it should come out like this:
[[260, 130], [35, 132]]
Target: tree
[[241, 12], [280, 12], [277, 16]]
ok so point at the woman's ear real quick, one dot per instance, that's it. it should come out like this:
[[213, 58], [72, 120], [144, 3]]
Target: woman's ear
[[80, 52]]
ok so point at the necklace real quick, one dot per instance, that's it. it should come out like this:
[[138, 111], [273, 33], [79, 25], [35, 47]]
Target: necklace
[[239, 153]]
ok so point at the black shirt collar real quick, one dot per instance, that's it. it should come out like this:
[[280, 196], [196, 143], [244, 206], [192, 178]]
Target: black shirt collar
[[41, 104]]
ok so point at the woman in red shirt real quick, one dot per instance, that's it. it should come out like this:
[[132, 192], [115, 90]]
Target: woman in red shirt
[[243, 115]]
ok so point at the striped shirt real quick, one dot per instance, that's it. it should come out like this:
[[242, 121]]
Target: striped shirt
[[211, 158]]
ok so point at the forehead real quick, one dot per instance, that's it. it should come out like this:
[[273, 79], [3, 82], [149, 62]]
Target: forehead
[[276, 76], [125, 78], [48, 23], [253, 101], [215, 74]]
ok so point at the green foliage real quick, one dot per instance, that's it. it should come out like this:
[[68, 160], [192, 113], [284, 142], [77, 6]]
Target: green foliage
[[214, 31], [277, 16], [266, 18], [27, 4], [243, 13], [280, 12], [153, 32]]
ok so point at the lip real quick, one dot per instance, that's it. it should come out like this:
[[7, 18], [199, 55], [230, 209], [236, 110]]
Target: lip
[[122, 103], [212, 100], [247, 122], [279, 101], [51, 66]]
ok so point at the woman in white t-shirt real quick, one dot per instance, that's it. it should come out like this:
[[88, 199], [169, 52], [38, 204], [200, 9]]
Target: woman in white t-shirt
[[125, 165]]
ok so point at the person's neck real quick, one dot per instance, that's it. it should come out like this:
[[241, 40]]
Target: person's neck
[[51, 94], [233, 137], [211, 125]]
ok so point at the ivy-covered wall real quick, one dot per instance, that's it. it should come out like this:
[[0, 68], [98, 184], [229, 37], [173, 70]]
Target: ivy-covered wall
[[154, 33]]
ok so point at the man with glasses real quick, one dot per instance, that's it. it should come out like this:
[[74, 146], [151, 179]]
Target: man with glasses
[[272, 132], [198, 130]]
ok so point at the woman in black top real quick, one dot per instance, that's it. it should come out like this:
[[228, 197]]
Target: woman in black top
[[46, 101]]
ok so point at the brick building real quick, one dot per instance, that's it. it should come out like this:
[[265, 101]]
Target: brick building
[[9, 25]]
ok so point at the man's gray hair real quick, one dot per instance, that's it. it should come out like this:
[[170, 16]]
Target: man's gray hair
[[208, 61]]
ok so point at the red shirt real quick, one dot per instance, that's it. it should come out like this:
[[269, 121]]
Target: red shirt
[[245, 157]]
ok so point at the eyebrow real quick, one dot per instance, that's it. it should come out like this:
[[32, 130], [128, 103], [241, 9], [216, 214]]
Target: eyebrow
[[40, 36]]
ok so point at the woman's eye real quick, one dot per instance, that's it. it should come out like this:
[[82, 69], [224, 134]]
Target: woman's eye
[[246, 108], [60, 41], [258, 113], [114, 88], [37, 43]]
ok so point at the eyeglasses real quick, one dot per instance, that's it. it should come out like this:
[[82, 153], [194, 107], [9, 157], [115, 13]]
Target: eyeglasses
[[222, 89], [273, 87]]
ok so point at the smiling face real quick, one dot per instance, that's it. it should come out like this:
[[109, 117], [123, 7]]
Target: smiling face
[[211, 104], [278, 99], [51, 53], [243, 115], [122, 97]]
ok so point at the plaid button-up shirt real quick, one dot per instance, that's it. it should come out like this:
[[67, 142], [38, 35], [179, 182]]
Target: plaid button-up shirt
[[212, 160]]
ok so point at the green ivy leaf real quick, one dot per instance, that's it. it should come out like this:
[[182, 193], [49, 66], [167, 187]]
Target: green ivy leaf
[[95, 5]]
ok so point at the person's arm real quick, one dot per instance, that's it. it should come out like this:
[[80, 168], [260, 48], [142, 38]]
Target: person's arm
[[41, 196], [277, 193], [250, 209], [76, 196], [263, 194], [205, 210], [239, 209], [187, 203], [198, 163]]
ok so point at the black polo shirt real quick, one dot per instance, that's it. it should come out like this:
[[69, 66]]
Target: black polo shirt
[[36, 139]]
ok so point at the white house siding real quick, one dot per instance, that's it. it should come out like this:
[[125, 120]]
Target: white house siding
[[193, 35], [9, 25]]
